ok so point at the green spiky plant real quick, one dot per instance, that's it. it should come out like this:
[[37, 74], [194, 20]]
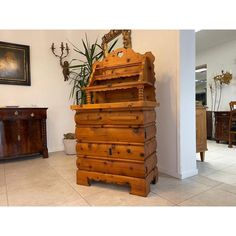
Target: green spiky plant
[[79, 74]]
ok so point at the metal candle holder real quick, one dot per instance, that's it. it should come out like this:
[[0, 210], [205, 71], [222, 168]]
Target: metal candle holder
[[64, 53]]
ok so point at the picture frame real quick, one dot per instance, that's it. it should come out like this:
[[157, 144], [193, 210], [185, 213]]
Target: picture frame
[[14, 64]]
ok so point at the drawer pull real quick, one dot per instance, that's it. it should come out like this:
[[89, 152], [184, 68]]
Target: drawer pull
[[18, 138], [16, 113], [32, 114]]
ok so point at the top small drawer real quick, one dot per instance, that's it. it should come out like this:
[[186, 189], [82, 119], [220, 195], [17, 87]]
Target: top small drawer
[[22, 113], [115, 117]]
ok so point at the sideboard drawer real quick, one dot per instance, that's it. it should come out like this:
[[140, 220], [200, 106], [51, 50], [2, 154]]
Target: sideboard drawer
[[31, 113]]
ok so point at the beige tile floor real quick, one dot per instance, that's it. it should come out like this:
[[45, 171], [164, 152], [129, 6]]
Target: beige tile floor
[[51, 182]]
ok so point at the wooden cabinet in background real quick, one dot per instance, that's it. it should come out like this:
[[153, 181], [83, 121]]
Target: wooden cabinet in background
[[201, 131], [209, 125], [222, 126], [22, 132]]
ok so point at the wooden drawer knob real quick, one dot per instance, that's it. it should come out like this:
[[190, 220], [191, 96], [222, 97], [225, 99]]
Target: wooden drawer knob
[[16, 113], [32, 114]]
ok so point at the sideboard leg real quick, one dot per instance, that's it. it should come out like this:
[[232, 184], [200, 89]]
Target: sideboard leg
[[45, 153], [44, 139], [202, 156]]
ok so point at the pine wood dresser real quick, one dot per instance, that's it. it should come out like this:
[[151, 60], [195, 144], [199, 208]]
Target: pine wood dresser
[[115, 130], [23, 132]]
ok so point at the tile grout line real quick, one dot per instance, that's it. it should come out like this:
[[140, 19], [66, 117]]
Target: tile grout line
[[69, 184], [199, 193], [210, 187], [226, 189], [163, 197]]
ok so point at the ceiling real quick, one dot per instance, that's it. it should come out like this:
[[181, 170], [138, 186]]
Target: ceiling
[[209, 38]]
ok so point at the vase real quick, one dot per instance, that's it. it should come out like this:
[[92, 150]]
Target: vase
[[70, 146]]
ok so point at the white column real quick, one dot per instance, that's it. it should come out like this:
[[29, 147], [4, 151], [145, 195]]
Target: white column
[[186, 105]]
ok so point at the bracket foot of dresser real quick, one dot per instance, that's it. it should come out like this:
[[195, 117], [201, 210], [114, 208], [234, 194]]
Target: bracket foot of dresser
[[139, 186]]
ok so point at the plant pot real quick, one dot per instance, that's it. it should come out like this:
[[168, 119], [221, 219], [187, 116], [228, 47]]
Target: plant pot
[[70, 146]]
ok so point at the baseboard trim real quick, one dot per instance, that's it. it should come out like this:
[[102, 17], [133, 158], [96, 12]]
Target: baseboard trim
[[168, 172], [177, 175], [56, 149], [189, 173]]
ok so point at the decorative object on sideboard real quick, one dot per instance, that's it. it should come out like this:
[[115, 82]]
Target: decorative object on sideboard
[[14, 64], [69, 142], [216, 88]]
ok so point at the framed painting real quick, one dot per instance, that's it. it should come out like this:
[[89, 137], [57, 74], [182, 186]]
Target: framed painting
[[14, 64]]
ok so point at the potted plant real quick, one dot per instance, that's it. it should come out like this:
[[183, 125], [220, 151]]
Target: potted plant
[[69, 142], [79, 74]]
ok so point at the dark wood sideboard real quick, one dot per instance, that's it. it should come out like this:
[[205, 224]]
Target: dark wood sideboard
[[209, 125], [23, 132], [221, 126]]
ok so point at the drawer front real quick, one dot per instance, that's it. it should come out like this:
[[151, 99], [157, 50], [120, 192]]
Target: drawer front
[[6, 114], [115, 134], [120, 151], [116, 117], [134, 169]]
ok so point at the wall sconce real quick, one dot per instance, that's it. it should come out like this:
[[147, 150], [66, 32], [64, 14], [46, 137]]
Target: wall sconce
[[64, 53]]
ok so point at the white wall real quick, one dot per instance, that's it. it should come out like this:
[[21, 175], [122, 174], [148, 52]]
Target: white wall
[[217, 58], [48, 88], [165, 45], [187, 121]]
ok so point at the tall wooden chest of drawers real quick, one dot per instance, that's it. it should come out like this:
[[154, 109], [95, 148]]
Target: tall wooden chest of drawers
[[23, 132], [115, 130]]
